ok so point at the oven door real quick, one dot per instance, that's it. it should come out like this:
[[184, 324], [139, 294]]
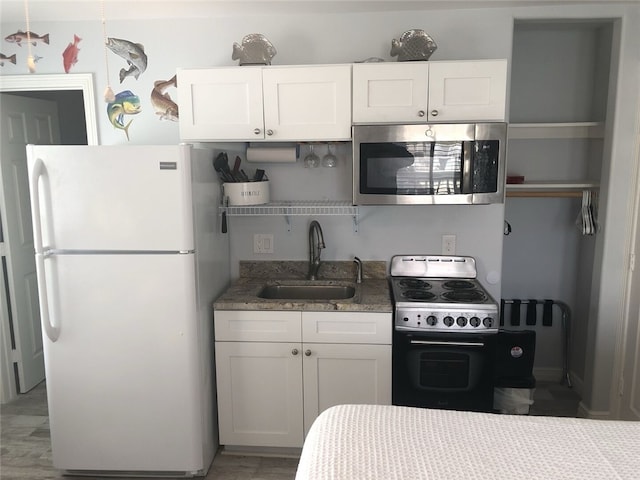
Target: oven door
[[450, 371], [428, 164]]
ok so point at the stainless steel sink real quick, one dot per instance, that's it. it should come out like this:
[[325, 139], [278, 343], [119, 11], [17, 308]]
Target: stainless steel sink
[[307, 292]]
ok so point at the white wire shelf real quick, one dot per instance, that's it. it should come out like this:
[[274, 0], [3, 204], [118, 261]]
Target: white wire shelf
[[291, 208]]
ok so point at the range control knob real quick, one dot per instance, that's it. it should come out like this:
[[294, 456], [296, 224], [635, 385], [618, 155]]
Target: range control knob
[[461, 321], [448, 321], [474, 322], [488, 322], [432, 320]]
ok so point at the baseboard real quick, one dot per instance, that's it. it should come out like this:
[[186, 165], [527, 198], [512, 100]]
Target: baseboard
[[548, 374], [261, 451]]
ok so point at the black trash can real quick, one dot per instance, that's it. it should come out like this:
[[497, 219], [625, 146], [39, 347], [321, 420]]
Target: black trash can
[[514, 383]]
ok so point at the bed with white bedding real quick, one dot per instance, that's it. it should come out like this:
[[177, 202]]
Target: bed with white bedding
[[374, 442]]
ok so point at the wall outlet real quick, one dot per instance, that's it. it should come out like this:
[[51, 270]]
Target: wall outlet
[[448, 244], [263, 243]]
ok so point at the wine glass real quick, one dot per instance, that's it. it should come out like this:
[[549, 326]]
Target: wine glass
[[311, 160], [329, 160]]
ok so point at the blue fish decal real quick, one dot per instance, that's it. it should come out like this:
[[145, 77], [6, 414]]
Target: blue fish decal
[[125, 103]]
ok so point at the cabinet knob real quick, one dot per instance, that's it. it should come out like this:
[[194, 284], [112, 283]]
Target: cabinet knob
[[294, 351], [269, 132], [257, 131], [307, 353], [434, 113], [421, 113]]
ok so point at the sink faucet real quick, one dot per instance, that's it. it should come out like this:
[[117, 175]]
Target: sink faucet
[[316, 244], [358, 263]]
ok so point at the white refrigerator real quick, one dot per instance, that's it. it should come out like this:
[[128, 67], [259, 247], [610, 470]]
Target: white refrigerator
[[130, 257]]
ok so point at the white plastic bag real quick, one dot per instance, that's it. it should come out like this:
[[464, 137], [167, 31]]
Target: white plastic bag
[[513, 401]]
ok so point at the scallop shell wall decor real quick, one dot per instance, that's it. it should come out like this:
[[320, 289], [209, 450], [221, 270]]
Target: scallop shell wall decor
[[413, 45], [254, 50]]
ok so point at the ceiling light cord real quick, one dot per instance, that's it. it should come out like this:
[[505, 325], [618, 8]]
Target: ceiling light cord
[[31, 64], [109, 96]]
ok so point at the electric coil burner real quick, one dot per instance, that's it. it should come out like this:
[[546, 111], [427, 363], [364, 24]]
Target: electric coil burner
[[441, 294]]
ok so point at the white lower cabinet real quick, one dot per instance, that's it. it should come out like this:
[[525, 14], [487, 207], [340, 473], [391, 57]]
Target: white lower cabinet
[[270, 391]]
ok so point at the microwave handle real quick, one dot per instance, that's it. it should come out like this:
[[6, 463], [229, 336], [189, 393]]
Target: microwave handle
[[467, 167]]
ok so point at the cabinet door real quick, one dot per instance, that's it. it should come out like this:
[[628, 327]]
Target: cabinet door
[[385, 93], [220, 104], [341, 374], [470, 90], [259, 393], [307, 103]]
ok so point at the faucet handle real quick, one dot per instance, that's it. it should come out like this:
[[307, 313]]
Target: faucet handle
[[358, 263]]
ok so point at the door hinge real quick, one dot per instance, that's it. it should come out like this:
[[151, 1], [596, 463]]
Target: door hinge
[[15, 356]]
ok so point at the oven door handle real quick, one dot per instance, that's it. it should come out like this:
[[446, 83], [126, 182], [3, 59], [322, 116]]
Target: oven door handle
[[443, 343]]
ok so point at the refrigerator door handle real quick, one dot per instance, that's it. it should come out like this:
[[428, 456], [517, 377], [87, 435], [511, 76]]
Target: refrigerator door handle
[[52, 331], [38, 171]]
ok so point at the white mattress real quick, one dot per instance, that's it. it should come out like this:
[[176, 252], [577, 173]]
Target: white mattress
[[354, 442]]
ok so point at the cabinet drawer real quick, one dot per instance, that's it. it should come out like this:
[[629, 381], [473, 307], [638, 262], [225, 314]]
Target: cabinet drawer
[[257, 326], [347, 327]]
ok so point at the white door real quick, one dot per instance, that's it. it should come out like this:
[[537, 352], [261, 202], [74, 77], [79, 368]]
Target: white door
[[309, 103], [630, 401], [221, 104], [394, 92], [470, 90], [23, 120], [337, 374], [259, 393]]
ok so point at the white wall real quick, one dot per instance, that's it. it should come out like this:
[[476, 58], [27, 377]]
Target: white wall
[[341, 38]]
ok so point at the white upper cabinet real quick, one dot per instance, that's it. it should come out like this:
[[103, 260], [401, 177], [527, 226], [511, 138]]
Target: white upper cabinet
[[307, 103], [390, 92], [220, 103], [471, 90], [430, 91], [265, 103]]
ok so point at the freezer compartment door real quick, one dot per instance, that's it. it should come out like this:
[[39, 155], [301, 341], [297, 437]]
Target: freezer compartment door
[[124, 376], [111, 197]]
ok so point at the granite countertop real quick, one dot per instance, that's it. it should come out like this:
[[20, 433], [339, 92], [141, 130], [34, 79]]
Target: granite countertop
[[372, 295]]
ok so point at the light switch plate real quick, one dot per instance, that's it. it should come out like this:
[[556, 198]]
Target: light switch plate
[[263, 243]]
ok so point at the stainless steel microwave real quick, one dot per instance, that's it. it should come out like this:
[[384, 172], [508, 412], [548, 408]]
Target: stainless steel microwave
[[423, 164]]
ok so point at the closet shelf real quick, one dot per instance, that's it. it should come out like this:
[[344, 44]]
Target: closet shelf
[[291, 208], [549, 189], [556, 130]]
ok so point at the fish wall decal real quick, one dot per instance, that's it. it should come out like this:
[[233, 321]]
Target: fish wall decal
[[125, 103], [21, 36], [164, 106], [133, 53], [70, 54], [4, 58]]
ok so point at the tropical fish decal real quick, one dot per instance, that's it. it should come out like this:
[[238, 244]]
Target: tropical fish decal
[[125, 103], [133, 53], [21, 36], [164, 106], [70, 54], [37, 58], [4, 58]]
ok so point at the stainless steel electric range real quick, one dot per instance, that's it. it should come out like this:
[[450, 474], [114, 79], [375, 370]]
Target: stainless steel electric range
[[445, 323], [441, 294]]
